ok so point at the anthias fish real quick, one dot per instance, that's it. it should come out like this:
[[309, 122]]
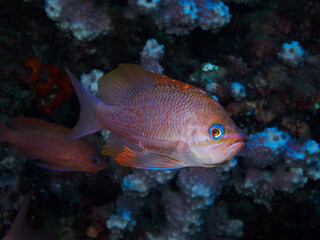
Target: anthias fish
[[47, 142], [156, 122], [19, 229]]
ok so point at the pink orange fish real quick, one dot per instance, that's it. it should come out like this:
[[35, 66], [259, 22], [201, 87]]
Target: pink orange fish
[[33, 138], [156, 122]]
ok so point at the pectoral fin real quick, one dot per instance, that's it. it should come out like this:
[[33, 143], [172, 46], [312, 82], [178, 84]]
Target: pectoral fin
[[159, 143], [132, 158], [114, 145]]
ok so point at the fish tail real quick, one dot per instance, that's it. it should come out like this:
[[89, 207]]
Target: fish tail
[[4, 133], [89, 120]]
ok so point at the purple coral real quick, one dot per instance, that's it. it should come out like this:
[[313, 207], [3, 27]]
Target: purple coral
[[201, 184], [90, 81], [291, 53], [141, 181], [180, 17], [275, 162], [81, 17], [150, 56], [213, 15], [183, 211], [264, 148]]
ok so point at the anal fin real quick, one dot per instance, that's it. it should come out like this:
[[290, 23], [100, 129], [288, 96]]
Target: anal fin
[[132, 158]]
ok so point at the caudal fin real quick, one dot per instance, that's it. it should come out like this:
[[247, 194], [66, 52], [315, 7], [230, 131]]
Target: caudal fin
[[89, 119], [4, 132]]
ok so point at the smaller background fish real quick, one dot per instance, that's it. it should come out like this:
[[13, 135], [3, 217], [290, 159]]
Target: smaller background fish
[[37, 139]]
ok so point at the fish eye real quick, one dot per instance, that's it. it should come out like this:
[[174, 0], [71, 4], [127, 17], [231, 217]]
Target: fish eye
[[216, 131], [94, 160]]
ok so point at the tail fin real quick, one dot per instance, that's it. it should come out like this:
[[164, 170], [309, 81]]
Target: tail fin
[[89, 119], [4, 131]]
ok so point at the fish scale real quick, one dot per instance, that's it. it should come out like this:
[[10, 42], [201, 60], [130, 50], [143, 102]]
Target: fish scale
[[157, 113]]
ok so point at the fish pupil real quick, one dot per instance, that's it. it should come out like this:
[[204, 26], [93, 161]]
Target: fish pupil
[[94, 160], [216, 132]]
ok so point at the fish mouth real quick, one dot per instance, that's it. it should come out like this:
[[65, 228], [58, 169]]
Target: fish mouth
[[232, 149], [212, 164], [236, 143]]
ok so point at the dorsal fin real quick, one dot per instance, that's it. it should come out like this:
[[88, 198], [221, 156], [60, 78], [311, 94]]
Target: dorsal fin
[[124, 82], [22, 123]]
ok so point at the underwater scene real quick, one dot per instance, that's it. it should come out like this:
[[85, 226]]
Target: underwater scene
[[159, 119]]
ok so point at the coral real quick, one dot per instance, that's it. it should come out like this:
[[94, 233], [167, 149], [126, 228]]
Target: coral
[[150, 56], [262, 184], [90, 80], [33, 63], [180, 17], [184, 210], [117, 223], [292, 165], [291, 53], [237, 91], [146, 6], [200, 186], [183, 220], [99, 215], [238, 65], [141, 181], [211, 77], [85, 20], [56, 80], [264, 148], [213, 16], [221, 225]]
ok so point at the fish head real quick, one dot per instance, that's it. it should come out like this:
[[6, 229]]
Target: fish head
[[214, 138], [87, 159], [89, 163], [96, 163]]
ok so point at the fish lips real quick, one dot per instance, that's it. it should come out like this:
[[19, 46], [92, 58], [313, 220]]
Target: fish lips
[[233, 148], [237, 143]]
